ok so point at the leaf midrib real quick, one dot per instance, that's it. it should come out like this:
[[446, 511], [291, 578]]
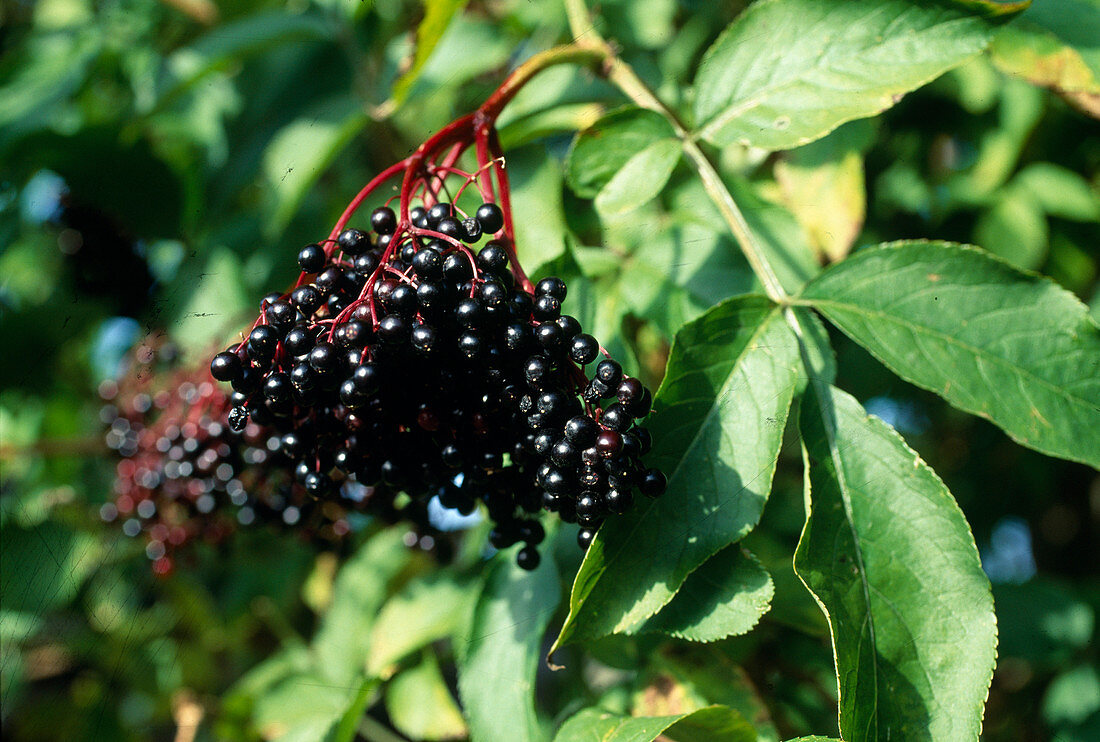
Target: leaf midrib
[[849, 518], [951, 340]]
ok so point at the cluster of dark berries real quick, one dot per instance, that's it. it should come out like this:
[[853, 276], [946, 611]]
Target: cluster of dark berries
[[421, 365], [183, 475]]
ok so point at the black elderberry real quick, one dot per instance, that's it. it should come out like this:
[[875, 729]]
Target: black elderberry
[[353, 242], [268, 299], [277, 387], [653, 483], [470, 345], [564, 453], [424, 338], [407, 253], [615, 417], [551, 286], [393, 328], [307, 298], [456, 268], [581, 431], [608, 443], [238, 418], [317, 484], [311, 258], [324, 357], [585, 536], [303, 376], [549, 336], [528, 558], [430, 297], [438, 212], [469, 313], [262, 342], [618, 501], [609, 372], [584, 349], [403, 301], [493, 258], [595, 391], [493, 294], [543, 441], [516, 336], [490, 217], [546, 308], [383, 220], [366, 263], [225, 366], [471, 230], [329, 280], [428, 264], [451, 227], [531, 532]]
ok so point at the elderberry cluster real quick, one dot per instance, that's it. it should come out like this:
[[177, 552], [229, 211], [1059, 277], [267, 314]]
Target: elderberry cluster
[[183, 475], [418, 365]]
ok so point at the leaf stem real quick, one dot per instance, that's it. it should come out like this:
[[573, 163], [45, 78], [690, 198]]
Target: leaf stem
[[622, 75]]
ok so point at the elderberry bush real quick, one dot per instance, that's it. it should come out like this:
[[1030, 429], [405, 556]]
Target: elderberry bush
[[412, 361]]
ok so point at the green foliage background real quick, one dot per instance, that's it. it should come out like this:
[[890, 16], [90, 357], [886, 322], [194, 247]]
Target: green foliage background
[[205, 143]]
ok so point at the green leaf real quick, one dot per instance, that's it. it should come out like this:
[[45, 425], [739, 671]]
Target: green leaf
[[437, 16], [598, 153], [496, 673], [1072, 697], [727, 595], [822, 184], [1053, 44], [307, 707], [717, 423], [217, 304], [237, 40], [1015, 229], [891, 560], [1011, 347], [44, 567], [679, 273], [340, 645], [710, 724], [536, 181], [1059, 191], [786, 72], [640, 179], [301, 152], [346, 727], [421, 707], [425, 610], [814, 738]]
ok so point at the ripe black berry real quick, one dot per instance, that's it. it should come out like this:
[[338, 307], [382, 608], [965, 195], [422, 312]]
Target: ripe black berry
[[551, 286], [311, 258], [528, 558], [353, 242], [225, 366], [490, 217], [383, 220]]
